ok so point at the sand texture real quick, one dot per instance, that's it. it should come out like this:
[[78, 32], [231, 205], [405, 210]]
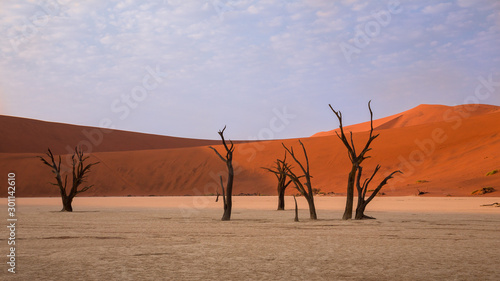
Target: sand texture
[[182, 238]]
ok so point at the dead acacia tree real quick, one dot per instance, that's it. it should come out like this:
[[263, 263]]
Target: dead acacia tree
[[356, 159], [356, 169], [307, 190], [79, 174], [362, 189], [280, 172], [228, 191]]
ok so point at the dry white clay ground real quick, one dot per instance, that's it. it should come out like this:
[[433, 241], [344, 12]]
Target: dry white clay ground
[[182, 238]]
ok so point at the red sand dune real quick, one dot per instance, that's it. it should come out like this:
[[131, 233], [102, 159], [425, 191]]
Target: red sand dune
[[23, 135], [422, 114], [447, 154]]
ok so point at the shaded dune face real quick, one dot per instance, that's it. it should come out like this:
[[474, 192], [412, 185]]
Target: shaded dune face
[[441, 150], [34, 136]]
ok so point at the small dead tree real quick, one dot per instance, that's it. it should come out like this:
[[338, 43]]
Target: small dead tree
[[79, 174], [307, 190], [280, 172], [296, 209], [228, 191], [362, 189], [356, 159]]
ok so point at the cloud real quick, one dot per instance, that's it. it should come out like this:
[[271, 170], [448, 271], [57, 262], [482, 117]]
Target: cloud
[[237, 64], [439, 8], [253, 10], [437, 28], [359, 7], [466, 3]]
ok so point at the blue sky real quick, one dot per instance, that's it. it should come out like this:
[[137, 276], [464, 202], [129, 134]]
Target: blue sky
[[266, 69]]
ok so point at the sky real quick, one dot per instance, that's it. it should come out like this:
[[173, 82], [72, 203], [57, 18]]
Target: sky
[[266, 69]]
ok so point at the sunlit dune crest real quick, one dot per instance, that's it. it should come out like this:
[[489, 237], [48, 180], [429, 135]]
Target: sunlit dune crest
[[422, 114]]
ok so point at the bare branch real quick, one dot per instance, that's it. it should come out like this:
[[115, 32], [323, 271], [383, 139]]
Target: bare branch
[[371, 117], [384, 182], [307, 158], [218, 154], [368, 180], [295, 158], [342, 136], [353, 147], [295, 179], [84, 189]]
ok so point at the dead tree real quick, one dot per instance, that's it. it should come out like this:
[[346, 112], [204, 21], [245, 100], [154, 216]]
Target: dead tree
[[296, 209], [307, 190], [228, 192], [280, 172], [356, 159], [362, 189], [223, 194], [80, 171]]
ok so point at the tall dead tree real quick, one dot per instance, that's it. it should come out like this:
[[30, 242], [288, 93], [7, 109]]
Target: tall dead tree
[[307, 190], [79, 175], [280, 172], [362, 189], [356, 160], [228, 192]]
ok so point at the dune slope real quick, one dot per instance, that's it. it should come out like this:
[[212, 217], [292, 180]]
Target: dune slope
[[27, 135], [450, 157], [422, 114]]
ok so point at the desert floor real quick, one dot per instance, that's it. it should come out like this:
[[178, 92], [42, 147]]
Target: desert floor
[[182, 238]]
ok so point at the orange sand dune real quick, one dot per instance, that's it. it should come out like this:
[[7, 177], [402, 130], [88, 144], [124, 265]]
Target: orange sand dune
[[450, 157], [23, 135], [422, 114]]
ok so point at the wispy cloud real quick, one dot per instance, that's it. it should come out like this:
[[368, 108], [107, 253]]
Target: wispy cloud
[[234, 61]]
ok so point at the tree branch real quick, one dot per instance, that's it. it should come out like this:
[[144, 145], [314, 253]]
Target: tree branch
[[217, 152], [342, 137], [368, 180], [384, 182]]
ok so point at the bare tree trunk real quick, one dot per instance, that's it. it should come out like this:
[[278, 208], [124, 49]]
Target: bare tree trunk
[[229, 190], [312, 208], [67, 201], [360, 208], [281, 199], [350, 194], [360, 211], [296, 209]]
